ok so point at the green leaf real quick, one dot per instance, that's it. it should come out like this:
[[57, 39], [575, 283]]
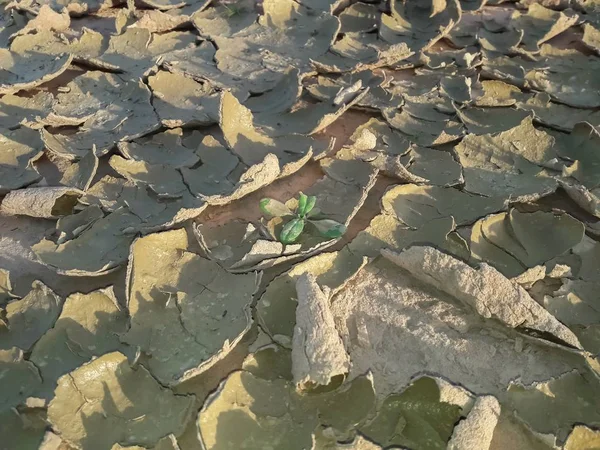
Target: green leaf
[[310, 204], [329, 228], [302, 200], [313, 212], [274, 208], [291, 231]]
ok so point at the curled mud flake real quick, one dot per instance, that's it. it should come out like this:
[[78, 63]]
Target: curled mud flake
[[109, 110], [565, 75], [484, 289], [588, 199], [225, 19], [553, 406], [71, 226], [421, 24], [281, 98], [555, 115], [161, 148], [80, 174], [136, 51], [310, 119], [591, 37], [165, 5], [464, 33], [106, 401], [252, 145], [98, 250], [477, 430], [510, 164], [20, 378], [360, 51], [416, 205], [153, 213], [359, 17], [318, 354], [16, 110], [222, 178], [328, 88], [205, 307], [582, 437], [513, 242], [388, 151], [163, 180], [414, 418], [158, 21], [254, 50], [6, 288], [541, 24], [581, 147], [498, 93], [182, 102], [276, 308], [248, 409], [29, 70], [425, 132], [88, 326], [580, 178], [575, 302], [27, 319], [272, 413], [43, 202], [47, 19], [400, 327], [491, 120], [322, 5], [18, 150], [513, 70]]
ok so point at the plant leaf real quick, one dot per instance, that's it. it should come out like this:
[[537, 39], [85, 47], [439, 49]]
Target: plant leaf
[[313, 212], [291, 231], [310, 204], [329, 228], [302, 201], [275, 208]]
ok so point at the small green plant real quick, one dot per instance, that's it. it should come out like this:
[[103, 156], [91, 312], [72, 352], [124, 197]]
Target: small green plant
[[231, 10], [305, 213]]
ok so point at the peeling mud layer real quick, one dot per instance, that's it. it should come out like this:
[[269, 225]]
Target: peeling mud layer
[[299, 224]]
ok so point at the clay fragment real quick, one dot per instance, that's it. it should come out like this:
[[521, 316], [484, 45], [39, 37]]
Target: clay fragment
[[18, 151], [582, 437], [20, 378], [414, 418], [27, 71], [509, 163], [567, 404], [477, 430], [479, 289], [88, 326], [25, 320], [98, 250], [182, 102], [43, 202], [318, 354], [106, 401], [205, 307]]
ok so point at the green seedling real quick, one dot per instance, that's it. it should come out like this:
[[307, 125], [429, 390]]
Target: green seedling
[[305, 213], [231, 10]]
